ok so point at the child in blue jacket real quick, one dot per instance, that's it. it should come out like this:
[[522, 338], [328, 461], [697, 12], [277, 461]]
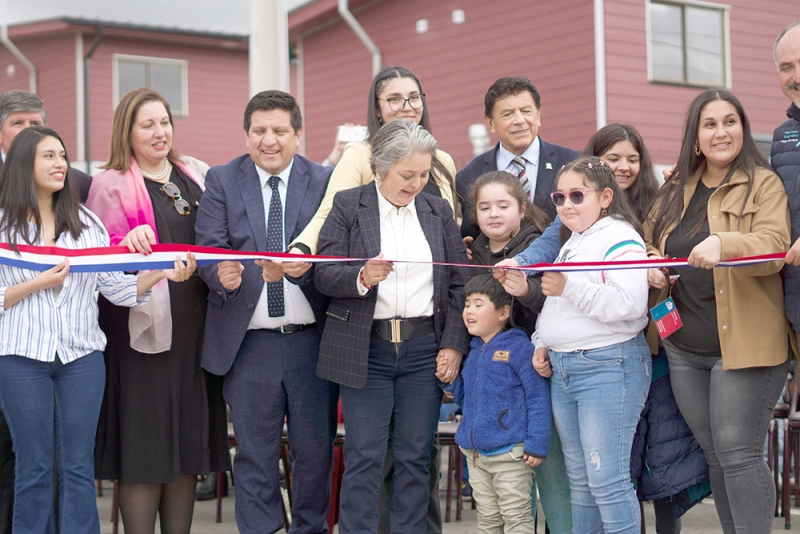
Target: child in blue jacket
[[505, 431]]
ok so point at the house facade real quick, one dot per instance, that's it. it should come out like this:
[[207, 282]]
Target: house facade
[[203, 75], [594, 62]]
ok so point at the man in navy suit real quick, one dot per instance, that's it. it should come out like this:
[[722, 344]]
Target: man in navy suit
[[512, 107], [263, 331]]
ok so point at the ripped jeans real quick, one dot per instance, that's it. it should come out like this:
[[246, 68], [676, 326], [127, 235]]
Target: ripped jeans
[[597, 398]]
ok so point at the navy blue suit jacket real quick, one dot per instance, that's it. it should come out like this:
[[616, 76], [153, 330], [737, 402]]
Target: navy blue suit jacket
[[551, 158], [231, 216], [353, 229]]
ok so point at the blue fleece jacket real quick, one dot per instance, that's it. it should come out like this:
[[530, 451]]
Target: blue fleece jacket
[[504, 400]]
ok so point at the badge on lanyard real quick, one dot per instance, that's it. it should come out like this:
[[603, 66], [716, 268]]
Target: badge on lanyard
[[665, 314]]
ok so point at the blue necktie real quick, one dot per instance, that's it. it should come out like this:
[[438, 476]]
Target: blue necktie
[[275, 244]]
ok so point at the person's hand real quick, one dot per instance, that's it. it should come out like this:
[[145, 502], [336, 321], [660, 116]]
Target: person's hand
[[553, 283], [139, 239], [707, 253], [230, 274], [541, 362], [295, 269], [499, 273], [338, 146], [468, 244], [793, 256], [271, 271], [532, 461], [181, 271], [376, 270], [448, 363], [516, 283], [657, 278], [668, 172], [53, 277]]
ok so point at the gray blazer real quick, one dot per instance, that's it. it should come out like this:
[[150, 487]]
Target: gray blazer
[[231, 216], [352, 229]]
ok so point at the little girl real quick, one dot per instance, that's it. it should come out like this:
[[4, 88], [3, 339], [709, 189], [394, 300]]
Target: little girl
[[588, 337], [508, 224]]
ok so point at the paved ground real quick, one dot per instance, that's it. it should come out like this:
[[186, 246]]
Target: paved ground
[[702, 519]]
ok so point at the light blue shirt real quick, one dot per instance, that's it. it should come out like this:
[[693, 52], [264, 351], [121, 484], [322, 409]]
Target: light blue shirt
[[63, 321], [531, 155]]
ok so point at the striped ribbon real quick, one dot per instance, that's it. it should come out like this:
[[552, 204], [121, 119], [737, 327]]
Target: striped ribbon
[[91, 260]]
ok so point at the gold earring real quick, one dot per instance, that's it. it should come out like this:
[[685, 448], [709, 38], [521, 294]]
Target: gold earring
[[697, 150]]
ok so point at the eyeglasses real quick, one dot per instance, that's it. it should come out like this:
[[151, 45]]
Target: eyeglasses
[[181, 205], [576, 196], [397, 103]]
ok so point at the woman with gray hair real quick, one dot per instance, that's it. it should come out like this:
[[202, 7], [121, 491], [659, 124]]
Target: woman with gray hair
[[391, 318]]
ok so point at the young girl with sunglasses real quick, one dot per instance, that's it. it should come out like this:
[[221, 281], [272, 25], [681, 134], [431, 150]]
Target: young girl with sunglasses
[[589, 339]]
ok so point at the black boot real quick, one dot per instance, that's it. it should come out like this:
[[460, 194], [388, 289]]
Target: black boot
[[208, 489]]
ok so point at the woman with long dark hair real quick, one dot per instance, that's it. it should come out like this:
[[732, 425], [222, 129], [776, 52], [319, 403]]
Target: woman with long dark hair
[[51, 363], [394, 93], [729, 360]]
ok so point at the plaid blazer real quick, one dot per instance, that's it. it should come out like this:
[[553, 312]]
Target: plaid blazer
[[352, 229]]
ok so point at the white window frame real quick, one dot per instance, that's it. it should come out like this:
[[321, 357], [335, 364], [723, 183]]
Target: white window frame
[[182, 63], [726, 41]]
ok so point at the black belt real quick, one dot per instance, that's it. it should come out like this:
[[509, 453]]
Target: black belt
[[397, 330], [290, 328]]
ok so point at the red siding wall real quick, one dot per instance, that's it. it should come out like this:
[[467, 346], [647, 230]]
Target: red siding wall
[[54, 58], [218, 93], [456, 65], [658, 110]]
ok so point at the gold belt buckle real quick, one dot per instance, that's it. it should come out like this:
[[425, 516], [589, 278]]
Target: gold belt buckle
[[396, 334]]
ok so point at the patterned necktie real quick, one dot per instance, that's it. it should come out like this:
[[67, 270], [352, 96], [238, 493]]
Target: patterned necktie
[[519, 162], [275, 244]]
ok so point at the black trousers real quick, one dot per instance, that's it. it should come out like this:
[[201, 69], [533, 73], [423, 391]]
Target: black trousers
[[6, 477]]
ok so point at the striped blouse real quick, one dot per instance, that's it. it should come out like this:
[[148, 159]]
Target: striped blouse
[[63, 321]]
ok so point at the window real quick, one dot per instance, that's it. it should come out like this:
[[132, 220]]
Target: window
[[688, 43], [167, 76]]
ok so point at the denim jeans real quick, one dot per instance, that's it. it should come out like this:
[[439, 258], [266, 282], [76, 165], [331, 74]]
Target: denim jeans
[[598, 396], [728, 412], [53, 406], [401, 387]]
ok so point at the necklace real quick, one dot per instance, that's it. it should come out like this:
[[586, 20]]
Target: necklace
[[160, 176]]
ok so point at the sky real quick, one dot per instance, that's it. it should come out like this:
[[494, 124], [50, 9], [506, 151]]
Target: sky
[[220, 16]]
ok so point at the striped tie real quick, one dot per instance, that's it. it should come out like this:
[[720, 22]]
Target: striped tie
[[519, 162]]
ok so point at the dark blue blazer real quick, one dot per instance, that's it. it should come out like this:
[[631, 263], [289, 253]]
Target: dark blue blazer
[[551, 158], [231, 216], [353, 230]]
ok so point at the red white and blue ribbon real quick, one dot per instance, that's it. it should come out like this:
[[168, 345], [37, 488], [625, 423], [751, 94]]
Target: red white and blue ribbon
[[109, 259]]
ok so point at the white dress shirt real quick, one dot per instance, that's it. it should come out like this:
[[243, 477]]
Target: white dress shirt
[[531, 155], [63, 321], [297, 310], [408, 290]]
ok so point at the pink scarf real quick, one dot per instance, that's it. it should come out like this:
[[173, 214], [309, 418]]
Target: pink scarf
[[121, 201]]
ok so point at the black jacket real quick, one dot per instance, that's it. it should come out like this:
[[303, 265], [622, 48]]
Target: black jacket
[[524, 310]]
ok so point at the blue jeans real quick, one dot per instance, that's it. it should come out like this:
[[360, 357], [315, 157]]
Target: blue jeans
[[401, 386], [598, 396], [53, 406], [272, 378]]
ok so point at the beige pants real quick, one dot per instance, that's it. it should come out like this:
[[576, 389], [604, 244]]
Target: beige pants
[[501, 487]]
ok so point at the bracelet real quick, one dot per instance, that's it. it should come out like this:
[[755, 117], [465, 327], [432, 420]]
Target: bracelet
[[361, 279]]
